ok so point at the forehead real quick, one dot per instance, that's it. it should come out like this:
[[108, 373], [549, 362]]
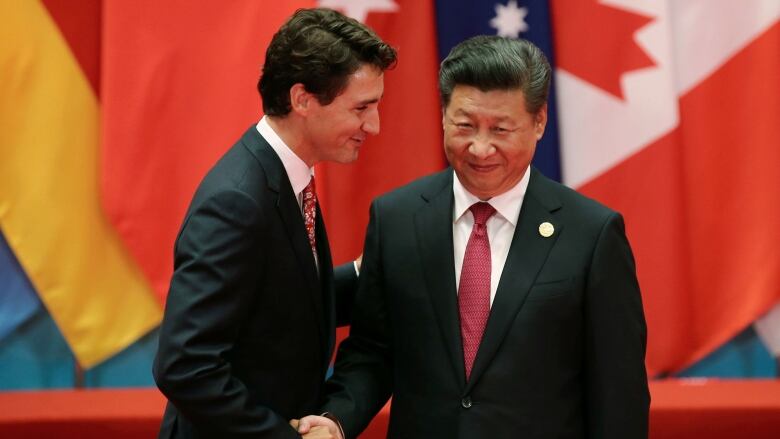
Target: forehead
[[367, 83], [471, 101]]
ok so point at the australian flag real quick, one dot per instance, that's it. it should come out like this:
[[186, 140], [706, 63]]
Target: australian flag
[[458, 20]]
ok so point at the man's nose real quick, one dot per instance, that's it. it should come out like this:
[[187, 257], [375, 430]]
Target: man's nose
[[481, 147], [371, 123]]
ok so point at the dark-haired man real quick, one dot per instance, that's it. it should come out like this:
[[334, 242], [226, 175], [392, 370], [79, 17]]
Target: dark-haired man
[[492, 301], [250, 318]]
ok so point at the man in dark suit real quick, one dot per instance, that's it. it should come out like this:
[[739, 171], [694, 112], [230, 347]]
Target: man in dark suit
[[250, 318], [492, 301]]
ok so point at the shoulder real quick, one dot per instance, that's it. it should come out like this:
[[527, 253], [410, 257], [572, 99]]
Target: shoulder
[[584, 218], [239, 178], [419, 190], [246, 165], [569, 202]]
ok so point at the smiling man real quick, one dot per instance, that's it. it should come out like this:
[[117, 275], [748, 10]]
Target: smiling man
[[492, 301], [250, 319]]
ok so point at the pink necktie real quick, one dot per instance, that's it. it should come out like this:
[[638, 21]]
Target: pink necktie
[[310, 214], [474, 288]]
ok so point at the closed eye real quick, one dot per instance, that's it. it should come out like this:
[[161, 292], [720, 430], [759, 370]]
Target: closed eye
[[502, 131]]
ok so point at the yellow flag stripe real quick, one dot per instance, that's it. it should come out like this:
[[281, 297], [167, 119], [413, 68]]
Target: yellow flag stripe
[[49, 191]]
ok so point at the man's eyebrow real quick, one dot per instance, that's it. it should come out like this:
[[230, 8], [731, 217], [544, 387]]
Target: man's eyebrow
[[369, 101]]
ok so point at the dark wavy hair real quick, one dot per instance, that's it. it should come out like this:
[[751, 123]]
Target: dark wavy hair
[[318, 48], [497, 63]]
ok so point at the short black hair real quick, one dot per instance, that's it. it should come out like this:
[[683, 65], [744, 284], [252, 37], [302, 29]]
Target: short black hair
[[497, 63], [318, 48]]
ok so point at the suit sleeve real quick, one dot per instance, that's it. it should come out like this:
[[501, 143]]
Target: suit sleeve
[[216, 273], [617, 395], [344, 284], [362, 380]]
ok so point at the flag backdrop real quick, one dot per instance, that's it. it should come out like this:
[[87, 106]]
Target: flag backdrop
[[49, 190], [18, 299], [671, 115], [178, 87], [112, 112]]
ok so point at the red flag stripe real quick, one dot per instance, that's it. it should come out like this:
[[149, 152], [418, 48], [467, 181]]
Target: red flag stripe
[[81, 28], [702, 211], [179, 89]]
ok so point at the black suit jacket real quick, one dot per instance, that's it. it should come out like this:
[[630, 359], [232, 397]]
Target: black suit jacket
[[563, 351], [249, 326]]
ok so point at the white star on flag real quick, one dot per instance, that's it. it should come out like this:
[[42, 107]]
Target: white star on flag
[[509, 20], [359, 9]]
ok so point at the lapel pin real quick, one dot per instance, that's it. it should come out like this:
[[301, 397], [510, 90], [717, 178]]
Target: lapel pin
[[546, 229]]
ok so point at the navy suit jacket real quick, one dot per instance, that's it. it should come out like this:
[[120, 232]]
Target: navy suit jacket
[[249, 325], [562, 355]]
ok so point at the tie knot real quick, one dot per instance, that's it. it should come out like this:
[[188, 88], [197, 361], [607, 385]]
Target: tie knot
[[310, 191], [482, 212]]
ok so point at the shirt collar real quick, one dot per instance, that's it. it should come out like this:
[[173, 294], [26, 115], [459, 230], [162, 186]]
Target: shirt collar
[[297, 171], [507, 204]]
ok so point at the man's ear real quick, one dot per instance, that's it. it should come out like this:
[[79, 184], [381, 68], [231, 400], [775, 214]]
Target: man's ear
[[443, 116], [540, 121], [300, 99]]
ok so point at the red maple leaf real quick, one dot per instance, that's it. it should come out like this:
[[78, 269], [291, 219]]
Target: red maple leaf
[[596, 42]]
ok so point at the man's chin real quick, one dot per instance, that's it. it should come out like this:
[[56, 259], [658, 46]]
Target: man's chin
[[348, 157], [479, 187]]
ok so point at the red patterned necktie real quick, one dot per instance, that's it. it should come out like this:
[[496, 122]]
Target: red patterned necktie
[[310, 214], [474, 288]]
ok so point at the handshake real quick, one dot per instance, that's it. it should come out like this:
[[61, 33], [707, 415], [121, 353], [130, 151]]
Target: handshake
[[318, 427]]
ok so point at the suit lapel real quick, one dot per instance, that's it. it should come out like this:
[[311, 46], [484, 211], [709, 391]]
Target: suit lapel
[[433, 223], [327, 319], [290, 213], [527, 255], [288, 209]]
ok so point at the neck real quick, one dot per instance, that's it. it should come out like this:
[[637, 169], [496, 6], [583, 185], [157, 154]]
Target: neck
[[291, 131]]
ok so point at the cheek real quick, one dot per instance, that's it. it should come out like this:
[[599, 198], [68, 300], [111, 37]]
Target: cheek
[[452, 151], [522, 156], [352, 125], [448, 153], [454, 145], [338, 132]]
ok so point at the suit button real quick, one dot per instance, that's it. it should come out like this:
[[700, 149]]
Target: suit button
[[465, 402]]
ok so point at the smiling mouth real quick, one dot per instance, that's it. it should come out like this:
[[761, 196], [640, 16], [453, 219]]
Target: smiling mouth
[[482, 168]]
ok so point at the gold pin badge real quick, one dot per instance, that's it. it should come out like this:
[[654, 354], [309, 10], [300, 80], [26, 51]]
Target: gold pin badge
[[546, 229]]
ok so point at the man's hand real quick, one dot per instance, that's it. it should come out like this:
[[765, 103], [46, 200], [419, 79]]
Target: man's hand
[[320, 432], [309, 424]]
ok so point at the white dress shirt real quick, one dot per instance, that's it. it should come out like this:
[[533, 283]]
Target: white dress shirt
[[500, 226], [297, 170]]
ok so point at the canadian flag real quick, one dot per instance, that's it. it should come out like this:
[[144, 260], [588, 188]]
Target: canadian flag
[[670, 113]]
